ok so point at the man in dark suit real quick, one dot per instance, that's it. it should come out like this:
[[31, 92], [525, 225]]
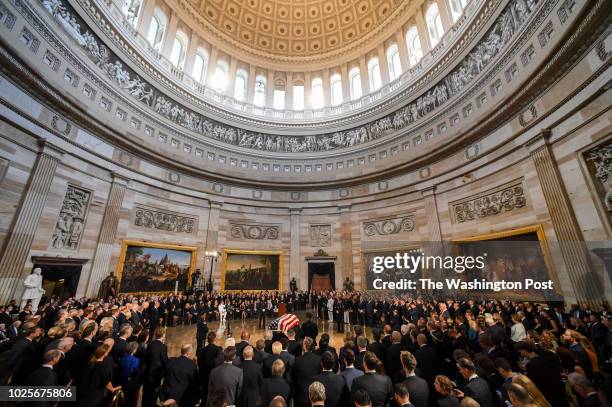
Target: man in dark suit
[[201, 332], [207, 361], [293, 346], [288, 357], [583, 386], [416, 386], [476, 387], [362, 344], [276, 385], [379, 387], [244, 342], [393, 364], [305, 369], [45, 375], [181, 378], [401, 395], [78, 357], [426, 359], [155, 359], [309, 328], [376, 346], [335, 388], [350, 372], [125, 331], [25, 354], [227, 378], [252, 379], [260, 354]]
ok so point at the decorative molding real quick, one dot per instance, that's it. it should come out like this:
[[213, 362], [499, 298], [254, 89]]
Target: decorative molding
[[528, 115], [504, 198], [71, 220], [320, 235], [472, 151], [61, 125], [603, 51], [254, 231], [153, 218], [599, 160], [513, 17], [389, 226]]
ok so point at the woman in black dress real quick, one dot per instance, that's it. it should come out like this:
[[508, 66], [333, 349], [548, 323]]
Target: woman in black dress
[[96, 378]]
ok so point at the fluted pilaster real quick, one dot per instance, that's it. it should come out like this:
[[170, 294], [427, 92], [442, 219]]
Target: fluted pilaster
[[212, 240], [346, 246], [294, 260], [19, 241], [570, 239], [108, 232]]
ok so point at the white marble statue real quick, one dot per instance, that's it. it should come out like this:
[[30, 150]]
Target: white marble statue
[[33, 289]]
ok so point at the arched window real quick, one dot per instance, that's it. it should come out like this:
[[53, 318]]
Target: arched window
[[374, 74], [220, 78], [298, 97], [131, 10], [200, 63], [179, 50], [317, 98], [240, 85], [259, 99], [278, 99], [457, 7], [355, 82], [335, 85], [434, 24], [395, 64], [156, 29], [413, 43]]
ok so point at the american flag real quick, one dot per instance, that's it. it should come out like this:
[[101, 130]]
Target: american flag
[[284, 323]]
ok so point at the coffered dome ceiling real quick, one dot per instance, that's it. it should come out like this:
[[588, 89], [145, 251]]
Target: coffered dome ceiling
[[298, 28]]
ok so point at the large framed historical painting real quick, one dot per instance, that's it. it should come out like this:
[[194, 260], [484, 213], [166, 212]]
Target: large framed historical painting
[[248, 270], [512, 255], [154, 267]]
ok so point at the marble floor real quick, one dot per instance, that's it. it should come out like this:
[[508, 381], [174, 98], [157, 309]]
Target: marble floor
[[177, 336]]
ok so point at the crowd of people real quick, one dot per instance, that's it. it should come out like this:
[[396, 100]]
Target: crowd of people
[[396, 351]]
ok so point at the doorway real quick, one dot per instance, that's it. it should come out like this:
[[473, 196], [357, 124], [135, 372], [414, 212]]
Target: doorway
[[322, 276], [60, 276]]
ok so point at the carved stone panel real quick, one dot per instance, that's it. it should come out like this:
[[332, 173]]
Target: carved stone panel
[[389, 226], [504, 198], [152, 218], [71, 220], [254, 231], [599, 162], [320, 235]]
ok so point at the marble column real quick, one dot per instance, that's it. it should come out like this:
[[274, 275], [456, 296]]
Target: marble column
[[364, 75], [144, 20], [100, 265], [19, 240], [445, 15], [403, 50], [569, 236], [434, 245], [294, 255], [346, 246], [170, 35], [212, 241], [383, 64], [421, 26]]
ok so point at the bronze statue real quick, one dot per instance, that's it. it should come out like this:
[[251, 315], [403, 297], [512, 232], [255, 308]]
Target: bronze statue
[[348, 285], [109, 287], [293, 285]]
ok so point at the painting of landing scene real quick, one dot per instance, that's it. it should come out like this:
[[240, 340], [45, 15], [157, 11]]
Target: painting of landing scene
[[148, 267], [250, 270]]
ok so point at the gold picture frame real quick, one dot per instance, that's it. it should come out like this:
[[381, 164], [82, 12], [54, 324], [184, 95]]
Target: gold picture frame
[[229, 252], [538, 230], [126, 244]]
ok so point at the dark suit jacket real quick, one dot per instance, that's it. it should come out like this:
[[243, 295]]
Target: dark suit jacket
[[309, 328], [119, 349], [393, 362], [447, 401], [305, 369], [294, 348], [78, 357], [240, 348], [359, 361], [275, 386], [545, 372], [479, 390], [591, 401], [156, 358], [336, 391], [419, 391], [43, 376], [379, 388], [261, 356], [378, 349], [426, 363], [227, 378], [181, 381], [252, 380]]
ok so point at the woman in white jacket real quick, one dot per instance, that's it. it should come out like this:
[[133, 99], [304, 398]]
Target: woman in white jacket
[[222, 313], [517, 331]]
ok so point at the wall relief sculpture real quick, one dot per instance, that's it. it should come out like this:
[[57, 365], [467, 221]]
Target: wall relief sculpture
[[168, 221], [71, 219], [254, 231], [389, 226], [320, 235], [599, 161], [511, 19], [492, 202]]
